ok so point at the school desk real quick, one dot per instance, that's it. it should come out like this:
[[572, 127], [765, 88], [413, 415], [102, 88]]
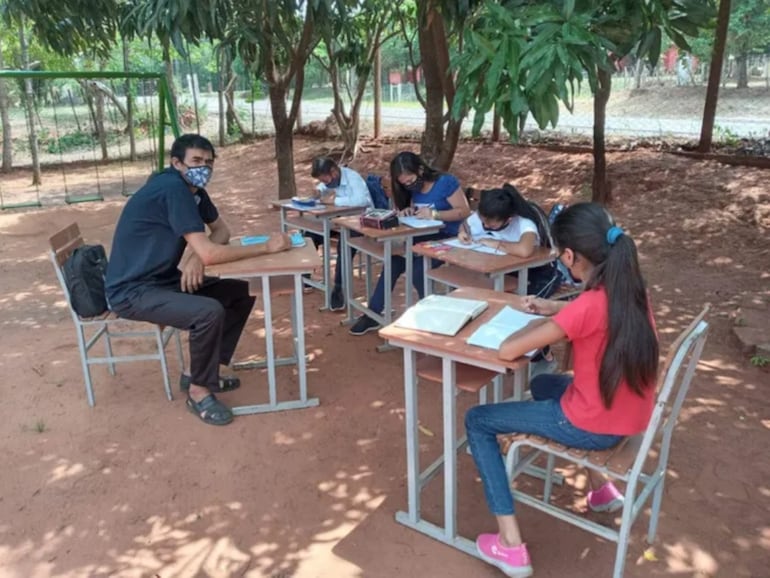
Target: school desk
[[272, 274], [317, 219], [465, 267], [451, 351], [379, 244]]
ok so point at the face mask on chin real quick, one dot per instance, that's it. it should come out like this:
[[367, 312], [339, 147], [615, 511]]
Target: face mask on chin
[[198, 176], [415, 186], [334, 183]]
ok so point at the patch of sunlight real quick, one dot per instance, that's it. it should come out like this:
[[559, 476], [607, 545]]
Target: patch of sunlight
[[764, 539], [766, 423], [234, 506], [377, 404], [160, 531], [22, 295], [366, 442], [281, 439], [65, 470], [720, 261], [688, 557], [706, 401]]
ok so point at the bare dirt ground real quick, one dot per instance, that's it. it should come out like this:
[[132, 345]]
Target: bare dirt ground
[[137, 487]]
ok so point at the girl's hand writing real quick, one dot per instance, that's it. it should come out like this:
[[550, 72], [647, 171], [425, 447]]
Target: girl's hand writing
[[540, 306], [424, 213], [464, 235], [408, 212]]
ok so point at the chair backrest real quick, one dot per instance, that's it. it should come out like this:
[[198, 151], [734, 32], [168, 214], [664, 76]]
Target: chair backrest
[[674, 380], [63, 244], [380, 198]]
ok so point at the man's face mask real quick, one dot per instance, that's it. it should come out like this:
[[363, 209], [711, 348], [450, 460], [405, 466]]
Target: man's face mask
[[334, 183], [198, 176]]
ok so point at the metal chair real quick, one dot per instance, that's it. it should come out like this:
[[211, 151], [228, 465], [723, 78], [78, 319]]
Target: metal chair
[[626, 461], [108, 326]]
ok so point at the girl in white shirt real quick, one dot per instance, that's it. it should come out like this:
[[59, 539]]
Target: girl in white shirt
[[506, 221]]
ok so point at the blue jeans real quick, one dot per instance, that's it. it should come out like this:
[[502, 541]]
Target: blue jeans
[[397, 268], [543, 416]]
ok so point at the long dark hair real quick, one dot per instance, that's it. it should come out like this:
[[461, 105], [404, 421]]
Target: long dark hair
[[632, 347], [507, 202], [408, 162]]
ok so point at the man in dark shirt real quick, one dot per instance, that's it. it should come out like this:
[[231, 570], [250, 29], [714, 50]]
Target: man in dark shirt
[[151, 278]]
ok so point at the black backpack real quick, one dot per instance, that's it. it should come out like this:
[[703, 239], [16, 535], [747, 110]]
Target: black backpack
[[84, 273]]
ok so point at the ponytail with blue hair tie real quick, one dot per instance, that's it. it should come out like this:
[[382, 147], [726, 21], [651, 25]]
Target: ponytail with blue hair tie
[[613, 234]]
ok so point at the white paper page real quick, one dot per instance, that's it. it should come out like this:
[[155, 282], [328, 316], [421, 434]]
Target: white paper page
[[418, 223], [433, 320], [478, 247], [471, 307], [507, 322]]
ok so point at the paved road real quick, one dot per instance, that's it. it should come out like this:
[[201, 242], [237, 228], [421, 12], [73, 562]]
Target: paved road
[[413, 116]]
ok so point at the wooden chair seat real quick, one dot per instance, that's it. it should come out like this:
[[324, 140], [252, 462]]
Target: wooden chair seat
[[618, 459]]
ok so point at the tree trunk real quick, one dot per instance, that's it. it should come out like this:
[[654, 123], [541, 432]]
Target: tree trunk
[[496, 122], [601, 189], [433, 133], [715, 71], [231, 115], [377, 93], [29, 103], [438, 147], [169, 68], [100, 130], [6, 122], [129, 104], [638, 73], [743, 70], [220, 99], [284, 142]]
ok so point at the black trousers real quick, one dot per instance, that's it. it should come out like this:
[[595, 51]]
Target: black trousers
[[318, 240], [215, 316]]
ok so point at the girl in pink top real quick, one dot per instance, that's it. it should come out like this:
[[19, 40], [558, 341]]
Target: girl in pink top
[[612, 392]]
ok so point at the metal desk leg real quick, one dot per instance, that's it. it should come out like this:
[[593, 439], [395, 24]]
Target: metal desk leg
[[499, 282], [427, 282], [327, 267], [368, 275], [450, 448], [284, 227], [270, 346], [387, 272], [412, 516], [521, 287], [299, 338], [347, 274], [409, 284]]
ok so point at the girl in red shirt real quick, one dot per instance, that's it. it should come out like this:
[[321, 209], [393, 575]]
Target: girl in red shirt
[[615, 362]]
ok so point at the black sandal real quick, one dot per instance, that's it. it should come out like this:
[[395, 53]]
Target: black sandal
[[210, 410], [226, 383]]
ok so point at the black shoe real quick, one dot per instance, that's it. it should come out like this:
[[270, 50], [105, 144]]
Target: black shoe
[[337, 300], [364, 325]]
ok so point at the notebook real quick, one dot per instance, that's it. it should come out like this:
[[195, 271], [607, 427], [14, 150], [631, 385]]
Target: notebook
[[473, 246], [507, 322], [441, 314], [418, 223], [297, 240]]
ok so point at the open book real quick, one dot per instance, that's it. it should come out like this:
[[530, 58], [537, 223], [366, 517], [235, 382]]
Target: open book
[[297, 240], [441, 314], [474, 246], [418, 223], [507, 322]]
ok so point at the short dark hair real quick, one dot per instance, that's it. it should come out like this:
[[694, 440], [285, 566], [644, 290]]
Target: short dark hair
[[191, 141], [322, 166]]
